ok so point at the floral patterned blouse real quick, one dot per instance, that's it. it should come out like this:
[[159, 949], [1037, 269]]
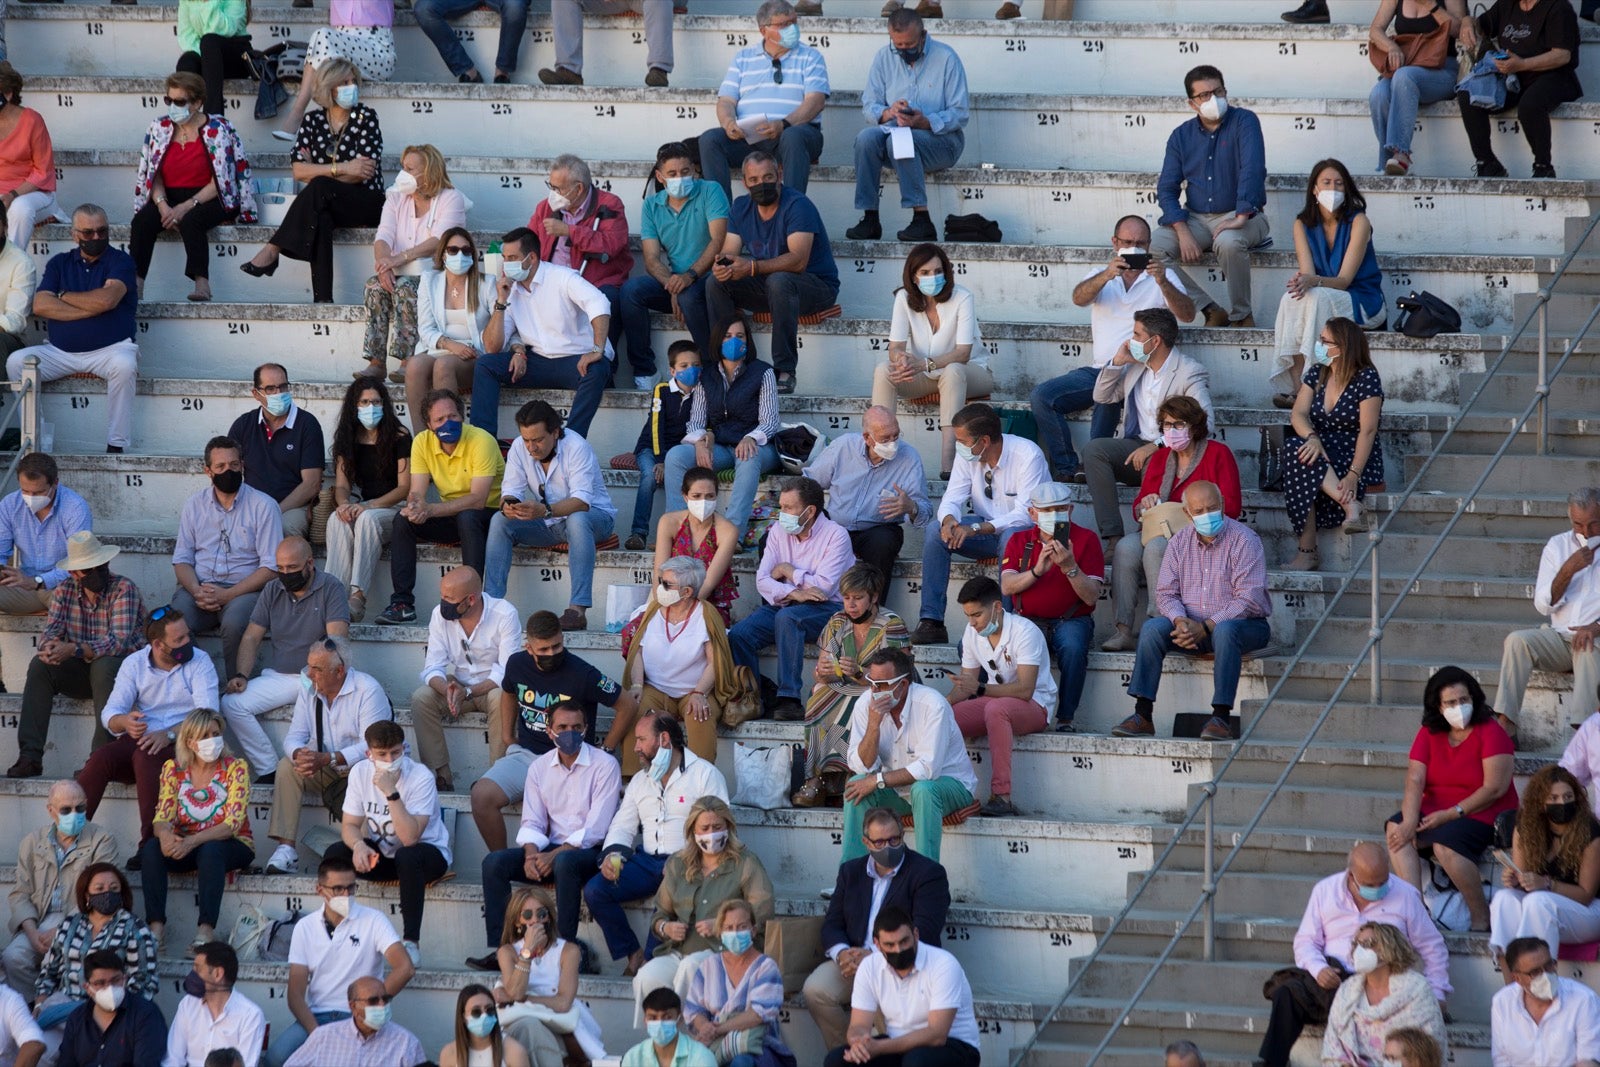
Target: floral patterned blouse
[[192, 808], [229, 165]]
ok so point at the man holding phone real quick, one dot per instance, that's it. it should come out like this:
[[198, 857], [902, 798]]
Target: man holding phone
[[1131, 281]]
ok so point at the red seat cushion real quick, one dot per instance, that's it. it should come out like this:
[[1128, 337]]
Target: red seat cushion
[[933, 399], [624, 461], [805, 320], [600, 546], [954, 818], [1580, 952]]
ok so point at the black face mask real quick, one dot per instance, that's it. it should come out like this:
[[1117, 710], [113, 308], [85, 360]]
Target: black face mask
[[550, 664], [295, 581], [228, 481], [194, 985], [182, 654], [450, 612], [901, 960], [94, 247], [911, 55], [96, 580], [889, 856], [1561, 814], [108, 903], [863, 617], [765, 194]]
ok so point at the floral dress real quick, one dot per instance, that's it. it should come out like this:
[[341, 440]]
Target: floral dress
[[728, 589], [828, 710], [192, 808]]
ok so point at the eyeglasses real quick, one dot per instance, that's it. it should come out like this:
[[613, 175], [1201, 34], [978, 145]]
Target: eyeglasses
[[70, 809], [369, 403], [885, 842], [273, 390], [346, 890], [174, 101], [1548, 968], [1169, 424], [777, 71], [481, 1010], [1201, 98], [464, 249]]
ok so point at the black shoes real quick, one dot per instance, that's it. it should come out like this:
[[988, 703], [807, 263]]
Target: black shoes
[[868, 229], [1311, 11], [921, 229]]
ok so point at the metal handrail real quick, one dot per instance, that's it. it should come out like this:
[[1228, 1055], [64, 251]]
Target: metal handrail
[[25, 414], [1372, 648]]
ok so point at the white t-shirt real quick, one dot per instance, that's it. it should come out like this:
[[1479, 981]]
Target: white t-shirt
[[1111, 314], [419, 794], [354, 950], [674, 666], [935, 983], [17, 1025], [1021, 642]]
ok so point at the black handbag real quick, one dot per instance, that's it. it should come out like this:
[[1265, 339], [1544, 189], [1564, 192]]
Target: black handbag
[[972, 228], [1269, 464], [1425, 315]]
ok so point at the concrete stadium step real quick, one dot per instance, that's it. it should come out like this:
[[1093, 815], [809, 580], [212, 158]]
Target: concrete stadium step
[[1016, 56], [1420, 215], [1020, 283], [323, 343], [1128, 131], [1456, 473], [1486, 428], [1309, 806], [1512, 389]]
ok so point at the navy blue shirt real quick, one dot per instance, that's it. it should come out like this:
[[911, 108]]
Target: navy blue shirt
[[535, 690], [769, 238], [273, 464], [668, 420], [1221, 170], [137, 1036], [69, 272]]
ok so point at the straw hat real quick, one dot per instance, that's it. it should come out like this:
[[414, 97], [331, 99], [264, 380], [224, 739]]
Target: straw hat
[[85, 552]]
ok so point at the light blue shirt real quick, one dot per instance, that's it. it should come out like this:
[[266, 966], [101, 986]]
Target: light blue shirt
[[42, 543], [856, 486], [165, 697], [227, 545], [750, 84], [574, 472], [684, 233], [935, 85]]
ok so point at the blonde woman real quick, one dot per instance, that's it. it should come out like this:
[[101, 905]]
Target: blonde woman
[[712, 867], [538, 984], [453, 301], [1388, 991], [202, 823], [735, 995], [417, 210]]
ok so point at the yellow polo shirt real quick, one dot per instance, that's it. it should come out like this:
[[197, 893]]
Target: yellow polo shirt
[[477, 455]]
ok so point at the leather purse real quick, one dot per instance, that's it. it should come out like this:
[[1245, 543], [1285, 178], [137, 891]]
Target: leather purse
[[1430, 50]]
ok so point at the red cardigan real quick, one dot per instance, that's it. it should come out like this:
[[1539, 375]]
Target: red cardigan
[[604, 231], [1217, 465]]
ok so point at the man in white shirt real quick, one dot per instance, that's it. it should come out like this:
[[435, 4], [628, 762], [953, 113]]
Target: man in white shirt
[[548, 331], [553, 493], [924, 998], [985, 502], [1132, 281], [907, 750], [18, 279], [568, 802], [327, 736], [334, 945], [393, 828], [1568, 591], [1541, 1018], [1018, 691], [212, 1015], [470, 637], [1581, 757], [1365, 891], [21, 1040], [648, 829]]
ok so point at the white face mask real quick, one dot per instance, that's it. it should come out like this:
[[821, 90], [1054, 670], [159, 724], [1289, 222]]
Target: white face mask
[[208, 748], [713, 842], [668, 597], [1589, 542], [1457, 715], [110, 997], [1214, 109], [385, 766], [339, 905], [1364, 960], [404, 183], [965, 453], [558, 202], [886, 449], [34, 503], [1543, 988], [1330, 199], [701, 509]]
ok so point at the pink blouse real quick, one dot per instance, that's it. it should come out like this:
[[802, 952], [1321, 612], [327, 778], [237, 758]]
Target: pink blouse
[[403, 230], [26, 154]]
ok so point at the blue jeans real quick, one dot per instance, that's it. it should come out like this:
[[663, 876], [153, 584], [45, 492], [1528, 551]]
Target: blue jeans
[[746, 478], [640, 878], [580, 530], [434, 17], [645, 501], [288, 1043], [493, 370], [1054, 400], [935, 152], [644, 294], [936, 564], [790, 627], [1069, 643], [572, 869], [798, 148], [1231, 640], [1394, 102]]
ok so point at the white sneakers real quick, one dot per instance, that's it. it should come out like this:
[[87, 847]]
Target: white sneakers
[[285, 860]]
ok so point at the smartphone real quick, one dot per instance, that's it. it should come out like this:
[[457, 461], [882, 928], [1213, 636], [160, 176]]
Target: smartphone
[[1136, 260], [1505, 860], [724, 261]]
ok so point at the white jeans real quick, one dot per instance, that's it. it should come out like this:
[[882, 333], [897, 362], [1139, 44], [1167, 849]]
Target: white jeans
[[354, 547], [670, 969], [1545, 915], [239, 710], [25, 212], [117, 364]]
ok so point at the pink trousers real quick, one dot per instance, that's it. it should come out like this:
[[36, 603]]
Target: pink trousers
[[1000, 719]]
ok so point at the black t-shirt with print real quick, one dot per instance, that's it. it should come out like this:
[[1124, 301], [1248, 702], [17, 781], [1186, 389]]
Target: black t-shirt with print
[[535, 690]]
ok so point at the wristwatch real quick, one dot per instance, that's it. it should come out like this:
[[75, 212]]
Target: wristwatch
[[38, 581], [498, 306], [1459, 813], [1073, 573], [880, 780], [393, 796]]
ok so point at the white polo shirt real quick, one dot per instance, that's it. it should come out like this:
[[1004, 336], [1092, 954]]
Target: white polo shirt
[[1021, 644], [936, 983], [17, 1025], [417, 791], [354, 950], [1569, 1032], [1111, 314], [194, 1033]]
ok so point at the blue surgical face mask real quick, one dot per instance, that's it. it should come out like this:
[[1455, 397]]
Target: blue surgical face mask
[[517, 270], [1138, 349], [457, 263], [931, 284], [991, 628], [791, 524], [965, 453], [660, 763], [306, 682], [569, 742], [737, 940], [1373, 893], [278, 404], [178, 115], [482, 1025], [662, 1031], [347, 96], [450, 432], [1320, 355], [789, 36], [376, 1015], [1208, 523], [734, 348], [678, 188], [71, 824], [689, 377], [370, 416]]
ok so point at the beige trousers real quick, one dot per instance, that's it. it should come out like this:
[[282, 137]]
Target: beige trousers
[[15, 600], [428, 715], [288, 793], [1546, 649]]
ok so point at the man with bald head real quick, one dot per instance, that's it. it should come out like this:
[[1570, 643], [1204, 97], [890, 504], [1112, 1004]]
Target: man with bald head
[[470, 636], [49, 861], [303, 605], [366, 1037], [1366, 891], [875, 485], [1212, 596]]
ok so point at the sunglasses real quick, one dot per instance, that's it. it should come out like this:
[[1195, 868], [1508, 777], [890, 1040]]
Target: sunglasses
[[480, 1011], [162, 612], [172, 101], [98, 231], [777, 72], [538, 916], [374, 1001], [988, 483], [459, 249]]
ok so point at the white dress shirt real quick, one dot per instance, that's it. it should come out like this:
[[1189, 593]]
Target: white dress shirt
[[1148, 393], [569, 805], [1021, 644], [936, 983], [1331, 920], [1581, 604], [1569, 1032], [1582, 757], [653, 813], [195, 1033], [165, 697], [359, 703], [17, 1025], [574, 471], [477, 657], [1022, 466], [354, 950], [418, 792], [553, 313], [927, 742]]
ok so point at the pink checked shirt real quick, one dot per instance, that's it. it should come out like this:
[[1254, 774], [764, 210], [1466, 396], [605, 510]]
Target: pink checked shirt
[[1226, 579]]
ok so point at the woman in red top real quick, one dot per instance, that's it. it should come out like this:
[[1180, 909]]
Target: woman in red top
[[27, 162], [1187, 455], [1458, 781]]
